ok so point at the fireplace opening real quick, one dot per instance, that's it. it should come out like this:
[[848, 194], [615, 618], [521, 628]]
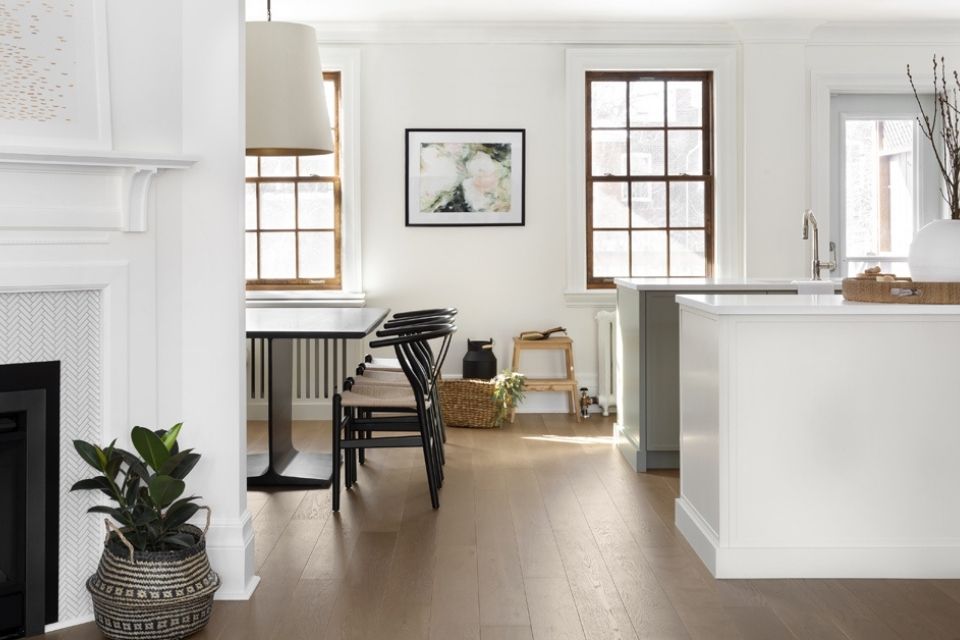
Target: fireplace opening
[[29, 497]]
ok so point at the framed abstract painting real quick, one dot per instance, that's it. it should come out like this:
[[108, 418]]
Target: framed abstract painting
[[54, 75], [465, 177]]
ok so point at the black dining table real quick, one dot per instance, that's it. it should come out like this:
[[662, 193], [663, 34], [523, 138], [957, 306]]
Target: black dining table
[[284, 464]]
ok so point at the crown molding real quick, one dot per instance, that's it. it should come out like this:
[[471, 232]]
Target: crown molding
[[813, 32], [524, 32], [775, 31], [925, 33]]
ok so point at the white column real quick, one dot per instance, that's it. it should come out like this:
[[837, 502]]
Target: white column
[[775, 165], [212, 294]]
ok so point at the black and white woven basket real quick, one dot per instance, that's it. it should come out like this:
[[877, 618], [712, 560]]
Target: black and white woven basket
[[146, 595]]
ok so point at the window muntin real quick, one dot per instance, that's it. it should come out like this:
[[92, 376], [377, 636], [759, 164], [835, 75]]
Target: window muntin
[[293, 214], [649, 184]]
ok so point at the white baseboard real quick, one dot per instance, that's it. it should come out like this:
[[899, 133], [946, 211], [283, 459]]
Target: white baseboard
[[245, 594], [698, 533], [231, 551], [540, 402], [627, 447], [302, 409], [774, 563], [64, 624]]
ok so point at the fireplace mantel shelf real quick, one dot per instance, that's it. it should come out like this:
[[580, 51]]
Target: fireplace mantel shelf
[[68, 157], [122, 205]]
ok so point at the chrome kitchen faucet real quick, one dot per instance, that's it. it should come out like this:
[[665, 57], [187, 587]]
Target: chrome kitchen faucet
[[816, 265]]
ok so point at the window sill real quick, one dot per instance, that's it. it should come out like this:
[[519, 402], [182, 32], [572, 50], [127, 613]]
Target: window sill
[[596, 298], [307, 298]]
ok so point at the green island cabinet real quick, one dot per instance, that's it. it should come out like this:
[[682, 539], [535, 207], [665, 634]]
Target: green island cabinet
[[647, 431]]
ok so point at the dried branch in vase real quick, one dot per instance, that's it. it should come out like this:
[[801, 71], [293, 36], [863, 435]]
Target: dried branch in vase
[[942, 128]]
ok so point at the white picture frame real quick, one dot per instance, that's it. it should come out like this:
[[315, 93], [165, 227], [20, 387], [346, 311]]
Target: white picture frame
[[54, 78]]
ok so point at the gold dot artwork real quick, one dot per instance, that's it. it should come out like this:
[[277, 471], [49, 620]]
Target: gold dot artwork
[[37, 60]]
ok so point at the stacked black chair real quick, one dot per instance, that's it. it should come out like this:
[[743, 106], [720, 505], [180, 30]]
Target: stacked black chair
[[406, 318], [365, 409], [387, 372]]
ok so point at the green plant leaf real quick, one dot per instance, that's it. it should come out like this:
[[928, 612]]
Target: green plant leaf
[[91, 454], [179, 465], [99, 483], [113, 465], [131, 485], [179, 503], [150, 447], [134, 463], [179, 539], [143, 516], [164, 490], [138, 539], [177, 515], [170, 437], [119, 515]]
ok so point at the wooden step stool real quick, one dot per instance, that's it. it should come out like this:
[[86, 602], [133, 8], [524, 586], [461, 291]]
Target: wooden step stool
[[568, 384]]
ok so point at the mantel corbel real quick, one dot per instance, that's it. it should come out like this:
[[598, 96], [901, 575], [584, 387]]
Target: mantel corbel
[[78, 190]]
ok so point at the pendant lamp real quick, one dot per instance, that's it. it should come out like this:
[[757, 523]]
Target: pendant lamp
[[286, 108]]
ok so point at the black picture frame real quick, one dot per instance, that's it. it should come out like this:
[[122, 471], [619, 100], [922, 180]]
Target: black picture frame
[[491, 199]]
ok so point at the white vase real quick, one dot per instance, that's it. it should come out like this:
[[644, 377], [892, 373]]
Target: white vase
[[935, 252]]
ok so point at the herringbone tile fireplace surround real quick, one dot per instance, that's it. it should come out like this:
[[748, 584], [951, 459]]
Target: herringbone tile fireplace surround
[[39, 326]]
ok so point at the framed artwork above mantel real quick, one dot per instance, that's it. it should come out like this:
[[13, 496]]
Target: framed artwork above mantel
[[54, 75], [465, 177]]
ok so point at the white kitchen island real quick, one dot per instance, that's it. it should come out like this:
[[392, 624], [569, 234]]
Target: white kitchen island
[[647, 430], [820, 438]]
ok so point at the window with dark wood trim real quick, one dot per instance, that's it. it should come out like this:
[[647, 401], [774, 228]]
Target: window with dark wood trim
[[293, 211], [649, 182]]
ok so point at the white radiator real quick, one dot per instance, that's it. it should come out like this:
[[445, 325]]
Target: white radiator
[[318, 367], [606, 360]]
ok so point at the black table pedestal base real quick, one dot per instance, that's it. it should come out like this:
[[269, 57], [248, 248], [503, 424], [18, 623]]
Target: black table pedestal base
[[300, 469], [285, 465]]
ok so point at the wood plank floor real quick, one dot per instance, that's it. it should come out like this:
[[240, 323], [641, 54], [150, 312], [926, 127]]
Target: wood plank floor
[[544, 532]]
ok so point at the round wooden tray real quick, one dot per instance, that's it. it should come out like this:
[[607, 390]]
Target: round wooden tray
[[900, 291]]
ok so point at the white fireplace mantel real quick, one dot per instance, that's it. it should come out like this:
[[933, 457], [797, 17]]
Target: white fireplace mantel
[[87, 190]]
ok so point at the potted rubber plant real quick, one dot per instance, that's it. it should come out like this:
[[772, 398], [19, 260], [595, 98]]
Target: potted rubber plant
[[154, 579]]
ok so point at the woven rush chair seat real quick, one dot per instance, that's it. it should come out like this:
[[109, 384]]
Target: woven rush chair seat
[[380, 397], [382, 364], [381, 378]]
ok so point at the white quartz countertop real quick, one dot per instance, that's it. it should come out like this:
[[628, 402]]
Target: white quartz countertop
[[824, 305], [711, 284]]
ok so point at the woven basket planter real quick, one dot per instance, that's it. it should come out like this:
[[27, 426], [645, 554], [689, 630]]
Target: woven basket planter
[[467, 403], [146, 595]]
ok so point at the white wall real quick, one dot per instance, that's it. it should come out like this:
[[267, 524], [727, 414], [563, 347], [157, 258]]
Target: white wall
[[508, 279], [209, 328], [502, 279], [774, 157], [176, 87]]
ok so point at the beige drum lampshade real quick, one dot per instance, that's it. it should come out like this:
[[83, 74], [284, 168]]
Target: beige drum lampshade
[[286, 108]]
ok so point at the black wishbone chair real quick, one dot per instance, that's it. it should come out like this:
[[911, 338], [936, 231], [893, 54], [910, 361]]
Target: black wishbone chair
[[387, 372], [355, 419], [404, 319], [378, 378]]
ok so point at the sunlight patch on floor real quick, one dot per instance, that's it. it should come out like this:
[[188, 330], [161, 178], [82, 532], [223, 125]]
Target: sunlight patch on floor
[[572, 439]]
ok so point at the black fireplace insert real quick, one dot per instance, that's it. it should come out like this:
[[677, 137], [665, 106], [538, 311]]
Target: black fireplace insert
[[29, 497]]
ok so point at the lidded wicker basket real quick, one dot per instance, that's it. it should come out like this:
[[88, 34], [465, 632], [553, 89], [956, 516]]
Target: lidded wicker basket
[[467, 403], [153, 595]]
